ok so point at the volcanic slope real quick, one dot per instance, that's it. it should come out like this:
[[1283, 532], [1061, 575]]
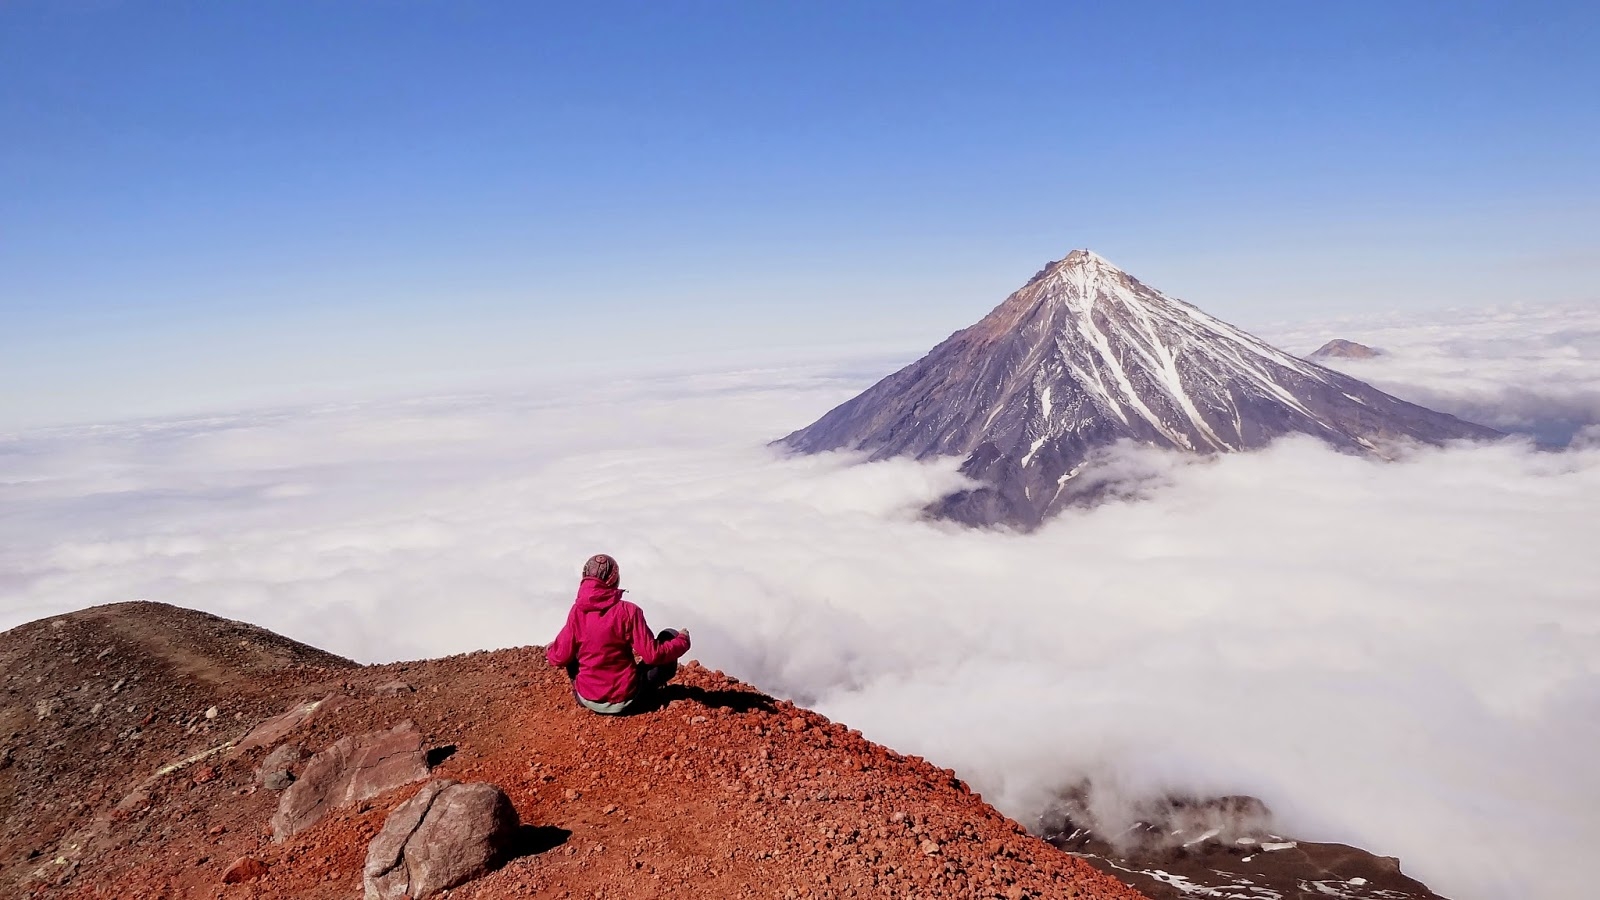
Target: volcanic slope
[[724, 792], [1083, 356]]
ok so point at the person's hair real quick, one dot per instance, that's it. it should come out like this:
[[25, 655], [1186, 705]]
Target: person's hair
[[603, 569]]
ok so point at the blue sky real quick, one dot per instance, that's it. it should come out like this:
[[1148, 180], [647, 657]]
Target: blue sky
[[206, 205]]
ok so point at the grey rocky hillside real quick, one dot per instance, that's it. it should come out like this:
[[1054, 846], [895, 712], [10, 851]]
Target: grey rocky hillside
[[1085, 355]]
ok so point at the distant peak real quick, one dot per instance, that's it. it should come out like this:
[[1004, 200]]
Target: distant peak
[[1339, 348]]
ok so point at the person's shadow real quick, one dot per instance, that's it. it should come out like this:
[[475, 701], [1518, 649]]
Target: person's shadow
[[737, 701]]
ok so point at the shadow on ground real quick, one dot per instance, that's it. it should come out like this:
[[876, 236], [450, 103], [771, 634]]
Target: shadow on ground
[[737, 701], [531, 840]]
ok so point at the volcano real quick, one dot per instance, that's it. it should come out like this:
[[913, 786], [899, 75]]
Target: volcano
[[1085, 355]]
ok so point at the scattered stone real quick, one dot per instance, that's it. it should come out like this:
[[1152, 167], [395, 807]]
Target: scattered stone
[[276, 768], [393, 688], [245, 868], [446, 835], [285, 756], [350, 770], [211, 713]]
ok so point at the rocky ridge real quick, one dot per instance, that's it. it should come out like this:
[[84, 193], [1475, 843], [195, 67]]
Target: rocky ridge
[[722, 792], [1182, 846]]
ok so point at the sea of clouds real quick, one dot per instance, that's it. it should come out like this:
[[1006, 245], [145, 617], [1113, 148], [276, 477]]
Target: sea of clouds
[[1403, 655]]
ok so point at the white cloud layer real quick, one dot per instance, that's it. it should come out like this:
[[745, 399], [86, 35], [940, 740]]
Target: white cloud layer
[[1526, 370], [1404, 656]]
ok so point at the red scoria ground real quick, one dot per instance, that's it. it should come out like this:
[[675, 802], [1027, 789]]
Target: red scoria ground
[[722, 793]]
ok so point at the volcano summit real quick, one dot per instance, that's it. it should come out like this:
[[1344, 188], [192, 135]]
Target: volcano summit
[[1085, 355]]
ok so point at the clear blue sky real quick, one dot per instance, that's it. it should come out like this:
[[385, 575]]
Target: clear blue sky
[[210, 204]]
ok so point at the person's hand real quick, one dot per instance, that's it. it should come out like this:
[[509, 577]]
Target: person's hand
[[684, 633]]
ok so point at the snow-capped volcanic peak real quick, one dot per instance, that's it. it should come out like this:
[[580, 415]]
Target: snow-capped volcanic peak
[[1084, 355], [1141, 355]]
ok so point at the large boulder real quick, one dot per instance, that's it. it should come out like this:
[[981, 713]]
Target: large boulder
[[348, 771], [446, 835]]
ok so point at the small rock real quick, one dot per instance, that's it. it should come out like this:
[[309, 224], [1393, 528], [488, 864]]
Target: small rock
[[277, 781], [572, 794], [929, 848], [216, 830], [393, 688], [209, 773], [245, 868], [211, 713], [611, 808], [284, 756]]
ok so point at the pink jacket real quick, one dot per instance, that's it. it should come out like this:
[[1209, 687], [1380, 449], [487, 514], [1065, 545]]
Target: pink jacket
[[604, 634]]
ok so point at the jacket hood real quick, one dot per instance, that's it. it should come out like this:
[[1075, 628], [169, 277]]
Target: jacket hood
[[594, 596]]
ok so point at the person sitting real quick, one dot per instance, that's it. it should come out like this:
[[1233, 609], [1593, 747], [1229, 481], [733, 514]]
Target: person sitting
[[608, 650]]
